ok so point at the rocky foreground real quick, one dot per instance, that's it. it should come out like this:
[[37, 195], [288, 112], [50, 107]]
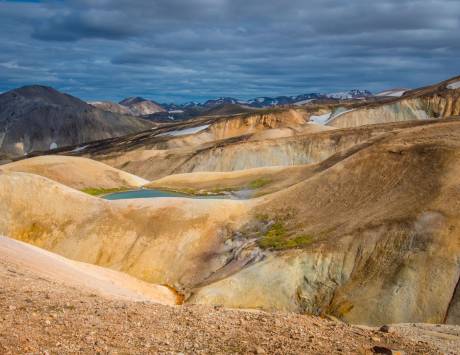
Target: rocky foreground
[[39, 315]]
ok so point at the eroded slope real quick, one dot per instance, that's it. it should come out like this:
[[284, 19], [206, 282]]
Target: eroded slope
[[152, 156], [437, 101]]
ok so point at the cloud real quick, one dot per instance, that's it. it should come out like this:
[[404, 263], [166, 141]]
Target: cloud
[[71, 26], [197, 49]]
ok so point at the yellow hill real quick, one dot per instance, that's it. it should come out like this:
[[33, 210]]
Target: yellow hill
[[79, 173]]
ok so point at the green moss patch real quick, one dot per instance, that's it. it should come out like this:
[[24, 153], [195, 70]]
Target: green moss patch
[[258, 183], [222, 190], [275, 238], [95, 191]]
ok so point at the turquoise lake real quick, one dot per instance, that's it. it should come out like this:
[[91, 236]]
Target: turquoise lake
[[151, 193]]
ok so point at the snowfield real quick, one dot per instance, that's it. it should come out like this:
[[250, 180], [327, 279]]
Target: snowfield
[[303, 102], [392, 93], [454, 85], [321, 119], [182, 132]]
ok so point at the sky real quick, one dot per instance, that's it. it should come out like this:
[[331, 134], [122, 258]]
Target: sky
[[184, 50]]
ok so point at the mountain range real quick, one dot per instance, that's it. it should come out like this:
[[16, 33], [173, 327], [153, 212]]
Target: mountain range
[[265, 101], [152, 110]]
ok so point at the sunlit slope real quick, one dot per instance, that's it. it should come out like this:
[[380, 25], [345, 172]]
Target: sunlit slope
[[76, 172], [86, 277]]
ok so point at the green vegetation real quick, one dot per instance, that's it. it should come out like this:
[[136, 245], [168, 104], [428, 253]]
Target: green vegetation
[[258, 183], [222, 190], [217, 190], [179, 190], [262, 217], [185, 191], [193, 192], [96, 191], [276, 239]]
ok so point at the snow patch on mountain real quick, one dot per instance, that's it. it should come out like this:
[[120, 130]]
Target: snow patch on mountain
[[182, 132], [321, 119], [303, 102], [79, 149], [352, 94], [262, 102], [391, 93], [453, 86]]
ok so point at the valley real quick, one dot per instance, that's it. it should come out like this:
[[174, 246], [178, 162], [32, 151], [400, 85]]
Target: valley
[[340, 214]]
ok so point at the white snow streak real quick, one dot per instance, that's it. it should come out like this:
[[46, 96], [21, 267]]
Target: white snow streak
[[454, 85], [182, 132], [79, 149], [298, 103], [392, 93]]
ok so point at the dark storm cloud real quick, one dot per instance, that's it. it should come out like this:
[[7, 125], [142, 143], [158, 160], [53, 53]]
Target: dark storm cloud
[[75, 26], [196, 49]]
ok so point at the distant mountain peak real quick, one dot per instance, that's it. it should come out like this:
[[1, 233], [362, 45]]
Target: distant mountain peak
[[45, 95], [39, 118], [140, 106], [132, 100]]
